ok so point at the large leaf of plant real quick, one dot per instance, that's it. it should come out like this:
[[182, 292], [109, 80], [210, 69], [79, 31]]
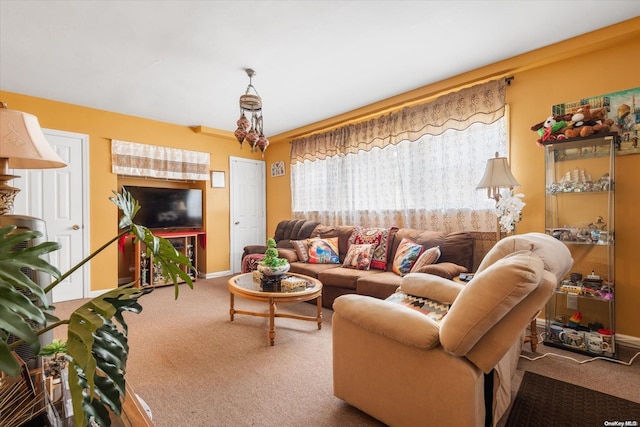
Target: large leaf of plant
[[97, 341], [97, 349], [22, 301]]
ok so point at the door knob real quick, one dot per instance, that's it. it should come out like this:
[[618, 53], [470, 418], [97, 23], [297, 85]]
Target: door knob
[[237, 222], [75, 227]]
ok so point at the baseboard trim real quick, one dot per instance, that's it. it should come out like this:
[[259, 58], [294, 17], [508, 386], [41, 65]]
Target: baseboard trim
[[628, 341], [217, 274], [621, 339]]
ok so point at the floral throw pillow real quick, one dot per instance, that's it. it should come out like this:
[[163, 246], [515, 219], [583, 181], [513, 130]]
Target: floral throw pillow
[[324, 251], [379, 239], [428, 257], [406, 255], [358, 257]]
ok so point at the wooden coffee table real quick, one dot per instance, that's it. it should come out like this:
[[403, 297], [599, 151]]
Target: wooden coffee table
[[245, 286]]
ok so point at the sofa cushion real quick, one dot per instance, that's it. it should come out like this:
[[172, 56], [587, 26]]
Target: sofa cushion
[[324, 251], [302, 249], [429, 256], [379, 285], [380, 238], [358, 257], [406, 255], [487, 298], [288, 254], [346, 278], [311, 270], [448, 270]]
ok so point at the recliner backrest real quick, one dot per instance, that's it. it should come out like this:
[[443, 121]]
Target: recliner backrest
[[511, 286]]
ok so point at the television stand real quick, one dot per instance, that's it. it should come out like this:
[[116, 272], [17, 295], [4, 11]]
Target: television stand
[[147, 274]]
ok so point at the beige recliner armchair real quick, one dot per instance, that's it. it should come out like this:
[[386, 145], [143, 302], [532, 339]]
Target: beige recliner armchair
[[406, 369]]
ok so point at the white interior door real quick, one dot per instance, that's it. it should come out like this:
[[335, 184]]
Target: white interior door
[[248, 216], [60, 198]]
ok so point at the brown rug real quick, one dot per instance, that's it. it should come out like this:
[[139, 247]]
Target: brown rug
[[543, 401]]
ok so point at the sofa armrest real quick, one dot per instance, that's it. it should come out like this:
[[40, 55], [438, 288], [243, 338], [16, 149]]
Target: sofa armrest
[[254, 249], [431, 286], [393, 321]]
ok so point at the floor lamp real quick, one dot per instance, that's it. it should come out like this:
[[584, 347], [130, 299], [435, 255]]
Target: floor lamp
[[24, 146], [497, 175]]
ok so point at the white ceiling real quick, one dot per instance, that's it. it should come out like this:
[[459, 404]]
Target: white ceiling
[[183, 61]]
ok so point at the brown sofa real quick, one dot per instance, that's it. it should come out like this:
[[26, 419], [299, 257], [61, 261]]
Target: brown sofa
[[456, 256]]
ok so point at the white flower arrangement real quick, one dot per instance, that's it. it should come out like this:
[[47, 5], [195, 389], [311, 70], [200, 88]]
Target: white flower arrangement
[[509, 209]]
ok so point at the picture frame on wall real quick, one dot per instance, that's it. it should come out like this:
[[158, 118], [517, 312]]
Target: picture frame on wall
[[217, 179], [277, 169]]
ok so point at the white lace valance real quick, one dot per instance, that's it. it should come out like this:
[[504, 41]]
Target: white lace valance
[[152, 161]]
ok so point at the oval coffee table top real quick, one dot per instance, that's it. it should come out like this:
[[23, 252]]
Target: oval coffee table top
[[246, 284]]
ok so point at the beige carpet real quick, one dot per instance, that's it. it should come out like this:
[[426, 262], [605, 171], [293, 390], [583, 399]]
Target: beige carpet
[[194, 367]]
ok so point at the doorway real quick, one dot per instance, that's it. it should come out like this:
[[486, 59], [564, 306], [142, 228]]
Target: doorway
[[60, 198], [248, 218]]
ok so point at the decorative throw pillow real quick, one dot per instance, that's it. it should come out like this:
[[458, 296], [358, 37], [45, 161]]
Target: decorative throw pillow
[[406, 255], [379, 239], [302, 249], [358, 257], [324, 251], [448, 270], [430, 256]]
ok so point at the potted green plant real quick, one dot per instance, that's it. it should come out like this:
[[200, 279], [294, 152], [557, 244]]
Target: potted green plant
[[272, 264], [96, 347], [54, 355]]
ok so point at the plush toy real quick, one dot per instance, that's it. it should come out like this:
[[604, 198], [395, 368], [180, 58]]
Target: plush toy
[[584, 122], [551, 130]]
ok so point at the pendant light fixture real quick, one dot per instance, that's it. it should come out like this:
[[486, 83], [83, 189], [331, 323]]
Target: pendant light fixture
[[250, 129]]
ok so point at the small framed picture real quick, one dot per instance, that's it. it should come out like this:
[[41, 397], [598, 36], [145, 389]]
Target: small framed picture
[[217, 179], [277, 169]]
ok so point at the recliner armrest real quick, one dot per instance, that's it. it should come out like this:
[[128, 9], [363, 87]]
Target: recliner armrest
[[393, 321], [431, 286]]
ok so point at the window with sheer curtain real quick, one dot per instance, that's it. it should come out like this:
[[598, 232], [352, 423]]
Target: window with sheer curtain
[[417, 168]]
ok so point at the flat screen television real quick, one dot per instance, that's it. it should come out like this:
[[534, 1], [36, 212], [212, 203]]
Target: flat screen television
[[168, 208]]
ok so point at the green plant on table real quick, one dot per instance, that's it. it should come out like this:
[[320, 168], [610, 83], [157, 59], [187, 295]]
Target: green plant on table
[[271, 258], [97, 346]]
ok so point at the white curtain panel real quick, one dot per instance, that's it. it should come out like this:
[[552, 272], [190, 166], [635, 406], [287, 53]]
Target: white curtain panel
[[426, 182]]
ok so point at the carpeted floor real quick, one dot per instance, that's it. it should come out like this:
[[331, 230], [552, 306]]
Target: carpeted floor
[[194, 367], [542, 401]]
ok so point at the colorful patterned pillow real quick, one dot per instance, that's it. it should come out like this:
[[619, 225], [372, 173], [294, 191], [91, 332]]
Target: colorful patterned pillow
[[302, 249], [358, 257], [406, 255], [379, 239], [430, 256], [324, 251]]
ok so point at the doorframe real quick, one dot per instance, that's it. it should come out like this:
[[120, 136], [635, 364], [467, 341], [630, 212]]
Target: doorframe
[[86, 269], [232, 183]]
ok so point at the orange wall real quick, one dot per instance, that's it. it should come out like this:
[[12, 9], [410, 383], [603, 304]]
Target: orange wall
[[102, 126], [594, 64]]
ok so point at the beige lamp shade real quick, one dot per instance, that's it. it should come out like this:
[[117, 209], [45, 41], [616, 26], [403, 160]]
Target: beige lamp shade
[[497, 174], [23, 144]]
